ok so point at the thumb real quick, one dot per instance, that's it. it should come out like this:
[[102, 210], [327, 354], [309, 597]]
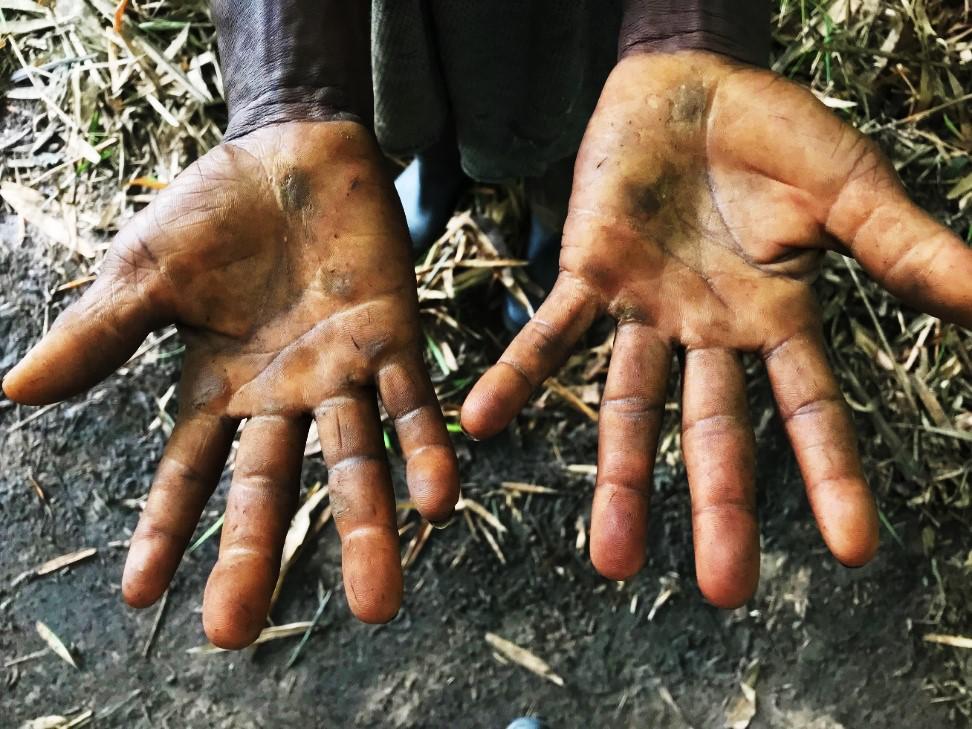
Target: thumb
[[906, 250], [91, 338]]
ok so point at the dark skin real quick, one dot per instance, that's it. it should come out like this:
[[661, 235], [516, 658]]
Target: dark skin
[[705, 194], [284, 259]]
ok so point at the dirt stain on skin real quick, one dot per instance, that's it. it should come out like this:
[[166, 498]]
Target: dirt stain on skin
[[295, 191], [335, 283], [648, 201], [207, 391], [622, 311], [688, 105], [303, 360]]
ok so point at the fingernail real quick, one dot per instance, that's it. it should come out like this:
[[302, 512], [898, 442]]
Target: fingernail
[[468, 434]]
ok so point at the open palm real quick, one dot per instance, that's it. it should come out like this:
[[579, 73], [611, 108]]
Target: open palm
[[284, 259], [705, 194]]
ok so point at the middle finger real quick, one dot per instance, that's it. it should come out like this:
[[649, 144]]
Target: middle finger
[[720, 459]]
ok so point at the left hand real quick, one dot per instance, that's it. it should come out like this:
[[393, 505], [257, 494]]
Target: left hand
[[705, 194]]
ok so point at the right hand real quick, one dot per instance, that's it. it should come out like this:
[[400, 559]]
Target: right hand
[[284, 260]]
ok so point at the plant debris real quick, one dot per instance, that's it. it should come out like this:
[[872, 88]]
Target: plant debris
[[523, 657]]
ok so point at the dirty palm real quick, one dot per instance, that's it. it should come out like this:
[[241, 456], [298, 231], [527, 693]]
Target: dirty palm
[[285, 262], [704, 195]]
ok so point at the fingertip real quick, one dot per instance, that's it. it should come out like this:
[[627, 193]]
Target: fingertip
[[50, 371], [476, 417], [373, 580], [727, 600], [433, 482], [467, 433], [375, 613], [494, 401], [17, 387], [729, 589], [236, 602], [142, 582], [230, 636], [135, 598], [858, 552], [619, 530], [726, 554], [8, 386], [137, 595], [615, 565], [848, 521]]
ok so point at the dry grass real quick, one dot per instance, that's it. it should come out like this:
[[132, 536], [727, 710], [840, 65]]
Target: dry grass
[[902, 72], [96, 121]]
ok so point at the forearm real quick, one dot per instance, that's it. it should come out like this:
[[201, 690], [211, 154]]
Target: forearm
[[736, 28], [293, 60]]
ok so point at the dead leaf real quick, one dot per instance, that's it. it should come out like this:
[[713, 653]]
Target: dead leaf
[[523, 657], [960, 188], [45, 722], [313, 445], [956, 641], [742, 709], [526, 488], [29, 204], [54, 643], [581, 540], [52, 565], [482, 512], [300, 527], [416, 544], [275, 632]]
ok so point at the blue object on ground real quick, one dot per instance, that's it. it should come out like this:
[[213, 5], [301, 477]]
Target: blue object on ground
[[543, 264], [429, 189], [526, 722]]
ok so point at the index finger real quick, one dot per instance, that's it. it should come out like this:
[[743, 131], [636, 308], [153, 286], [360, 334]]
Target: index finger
[[820, 428], [540, 347]]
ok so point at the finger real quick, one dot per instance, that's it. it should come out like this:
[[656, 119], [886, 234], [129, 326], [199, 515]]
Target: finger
[[822, 434], [363, 504], [541, 347], [185, 479], [430, 461], [630, 419], [88, 341], [720, 459], [259, 507], [902, 247]]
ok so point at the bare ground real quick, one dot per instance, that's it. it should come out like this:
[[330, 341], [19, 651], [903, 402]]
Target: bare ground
[[834, 647]]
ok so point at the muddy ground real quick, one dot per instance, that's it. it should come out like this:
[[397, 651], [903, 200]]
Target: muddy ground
[[835, 647]]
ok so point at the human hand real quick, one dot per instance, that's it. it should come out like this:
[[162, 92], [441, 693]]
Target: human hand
[[705, 194], [284, 259]]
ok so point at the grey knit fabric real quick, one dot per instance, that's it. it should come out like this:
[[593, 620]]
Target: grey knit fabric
[[515, 80]]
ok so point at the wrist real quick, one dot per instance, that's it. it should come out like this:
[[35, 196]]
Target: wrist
[[288, 104], [293, 60], [738, 29], [660, 69]]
